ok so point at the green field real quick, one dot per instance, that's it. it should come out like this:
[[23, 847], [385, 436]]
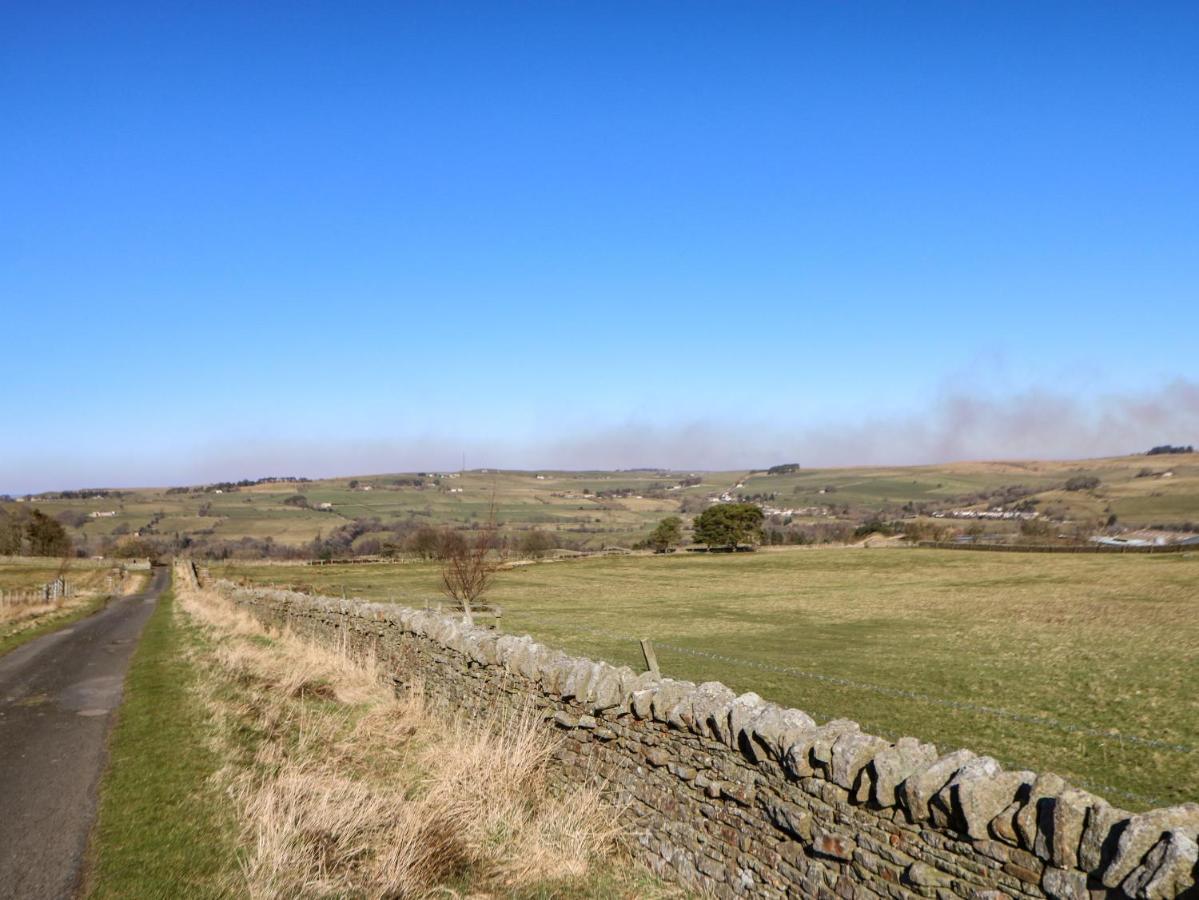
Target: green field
[[1082, 665], [581, 510]]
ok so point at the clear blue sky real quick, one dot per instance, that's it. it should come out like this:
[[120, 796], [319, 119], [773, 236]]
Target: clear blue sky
[[248, 238]]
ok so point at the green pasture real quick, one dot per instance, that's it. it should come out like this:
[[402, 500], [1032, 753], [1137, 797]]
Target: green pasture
[[555, 502], [1082, 665]]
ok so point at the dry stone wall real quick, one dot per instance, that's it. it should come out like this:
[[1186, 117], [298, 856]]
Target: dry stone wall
[[737, 797]]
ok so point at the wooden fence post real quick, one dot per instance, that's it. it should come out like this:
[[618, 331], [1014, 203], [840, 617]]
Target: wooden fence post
[[651, 659]]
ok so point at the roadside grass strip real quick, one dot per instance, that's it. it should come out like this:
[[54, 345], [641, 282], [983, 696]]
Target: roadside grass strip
[[164, 829], [251, 763], [15, 633]]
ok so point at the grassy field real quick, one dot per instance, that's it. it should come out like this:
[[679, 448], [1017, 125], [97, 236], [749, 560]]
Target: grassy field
[[1136, 489], [89, 583], [84, 575], [1079, 665]]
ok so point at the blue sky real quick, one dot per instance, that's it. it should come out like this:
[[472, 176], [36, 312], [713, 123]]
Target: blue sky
[[318, 238]]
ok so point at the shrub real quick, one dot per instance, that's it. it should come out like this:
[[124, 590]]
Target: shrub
[[668, 533], [536, 543]]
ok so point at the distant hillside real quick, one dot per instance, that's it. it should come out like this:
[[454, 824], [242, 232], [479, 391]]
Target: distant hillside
[[370, 514]]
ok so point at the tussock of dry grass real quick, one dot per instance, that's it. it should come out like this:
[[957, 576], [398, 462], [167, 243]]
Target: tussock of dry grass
[[355, 792], [12, 613]]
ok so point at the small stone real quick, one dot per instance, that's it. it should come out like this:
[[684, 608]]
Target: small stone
[[737, 793], [797, 760], [686, 773], [924, 875], [657, 757], [741, 711], [1098, 842], [851, 753], [922, 785], [1142, 832], [821, 753], [1065, 884], [1003, 826], [668, 695], [1069, 817], [1046, 785], [713, 868], [1168, 870], [792, 819], [833, 845], [606, 692], [891, 766], [643, 703], [1023, 873], [710, 709], [565, 720], [980, 792]]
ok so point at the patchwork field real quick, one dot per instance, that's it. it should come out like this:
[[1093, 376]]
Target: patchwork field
[[1079, 665], [590, 510]]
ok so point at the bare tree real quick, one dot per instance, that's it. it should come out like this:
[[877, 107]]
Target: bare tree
[[467, 567]]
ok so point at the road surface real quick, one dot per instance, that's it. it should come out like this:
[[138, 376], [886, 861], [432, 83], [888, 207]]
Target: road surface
[[58, 696]]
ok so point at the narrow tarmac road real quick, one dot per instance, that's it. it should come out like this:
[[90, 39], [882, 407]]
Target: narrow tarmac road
[[58, 695]]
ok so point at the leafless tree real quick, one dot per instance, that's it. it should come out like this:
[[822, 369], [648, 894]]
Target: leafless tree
[[467, 566]]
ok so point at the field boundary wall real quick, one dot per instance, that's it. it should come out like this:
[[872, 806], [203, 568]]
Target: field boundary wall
[[1058, 548], [733, 796]]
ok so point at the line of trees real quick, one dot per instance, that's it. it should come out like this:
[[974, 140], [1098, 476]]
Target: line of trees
[[1167, 448]]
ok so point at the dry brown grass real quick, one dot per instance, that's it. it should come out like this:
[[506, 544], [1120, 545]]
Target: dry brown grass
[[352, 791], [133, 583], [15, 613]]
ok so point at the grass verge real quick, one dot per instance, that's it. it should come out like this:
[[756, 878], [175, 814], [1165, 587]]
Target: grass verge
[[343, 789], [15, 634], [163, 830]]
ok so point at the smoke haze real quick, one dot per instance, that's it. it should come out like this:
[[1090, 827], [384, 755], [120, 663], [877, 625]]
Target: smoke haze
[[957, 426]]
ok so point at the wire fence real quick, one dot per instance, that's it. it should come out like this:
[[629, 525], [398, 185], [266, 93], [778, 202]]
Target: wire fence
[[1036, 721], [50, 592], [1046, 722]]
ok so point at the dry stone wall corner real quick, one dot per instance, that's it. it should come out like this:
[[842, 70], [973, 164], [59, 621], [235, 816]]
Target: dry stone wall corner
[[738, 797]]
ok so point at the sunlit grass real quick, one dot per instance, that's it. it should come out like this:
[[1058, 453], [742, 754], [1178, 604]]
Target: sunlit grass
[[1061, 649]]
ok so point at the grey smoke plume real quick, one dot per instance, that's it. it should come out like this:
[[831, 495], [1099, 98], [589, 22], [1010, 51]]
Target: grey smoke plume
[[957, 426], [1037, 424]]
